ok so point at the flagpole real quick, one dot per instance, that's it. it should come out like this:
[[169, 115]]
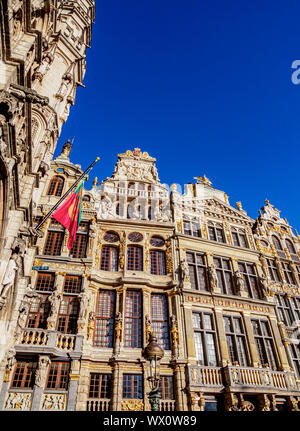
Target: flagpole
[[37, 227]]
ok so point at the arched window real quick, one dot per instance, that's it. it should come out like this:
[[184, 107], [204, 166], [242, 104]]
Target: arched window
[[290, 246], [86, 198], [276, 243], [56, 186], [109, 258], [158, 262], [134, 258]]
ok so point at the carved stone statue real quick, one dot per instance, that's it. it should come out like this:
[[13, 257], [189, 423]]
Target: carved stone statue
[[41, 372], [240, 282], [148, 327], [9, 278], [21, 322], [184, 271], [54, 300], [118, 325], [107, 208], [213, 277], [265, 285], [91, 324], [84, 300]]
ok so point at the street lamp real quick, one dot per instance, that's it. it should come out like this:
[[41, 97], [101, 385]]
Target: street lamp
[[153, 353]]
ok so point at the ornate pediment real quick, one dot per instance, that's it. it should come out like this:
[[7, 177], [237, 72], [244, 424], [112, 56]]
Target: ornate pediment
[[218, 209], [269, 213], [135, 166]]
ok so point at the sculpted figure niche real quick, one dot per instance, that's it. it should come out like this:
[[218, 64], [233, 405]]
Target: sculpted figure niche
[[8, 279]]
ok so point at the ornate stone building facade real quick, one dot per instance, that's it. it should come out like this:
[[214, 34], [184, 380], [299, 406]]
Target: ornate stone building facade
[[220, 290], [42, 62]]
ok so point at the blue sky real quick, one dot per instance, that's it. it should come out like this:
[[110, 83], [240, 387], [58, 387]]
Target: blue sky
[[202, 85]]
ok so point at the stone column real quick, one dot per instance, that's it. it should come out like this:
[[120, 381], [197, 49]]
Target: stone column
[[180, 384], [224, 359], [117, 384], [40, 382], [282, 357], [251, 340], [73, 385], [189, 331]]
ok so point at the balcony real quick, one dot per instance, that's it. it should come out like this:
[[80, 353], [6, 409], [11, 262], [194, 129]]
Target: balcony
[[100, 405], [248, 379], [45, 341]]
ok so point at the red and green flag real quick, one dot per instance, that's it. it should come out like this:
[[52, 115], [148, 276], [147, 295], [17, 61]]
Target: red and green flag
[[69, 213]]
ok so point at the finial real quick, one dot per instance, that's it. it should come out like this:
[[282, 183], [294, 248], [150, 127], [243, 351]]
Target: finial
[[226, 198], [239, 206], [95, 182], [203, 180], [267, 201]]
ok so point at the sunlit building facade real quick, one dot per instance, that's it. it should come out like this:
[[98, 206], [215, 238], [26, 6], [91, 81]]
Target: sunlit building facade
[[220, 291]]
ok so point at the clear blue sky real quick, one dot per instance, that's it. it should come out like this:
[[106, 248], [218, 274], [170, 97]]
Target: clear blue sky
[[202, 85]]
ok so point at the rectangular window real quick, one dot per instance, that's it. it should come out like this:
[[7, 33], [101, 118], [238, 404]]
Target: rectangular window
[[100, 385], [224, 274], [166, 384], [264, 343], [58, 375], [239, 237], [133, 319], [104, 319], [273, 270], [283, 310], [192, 229], [80, 244], [45, 282], [53, 243], [38, 312], [109, 258], [68, 315], [134, 258], [205, 338], [132, 386], [295, 301], [250, 277], [198, 270], [295, 356], [24, 374], [236, 340], [288, 273], [158, 262], [159, 314], [215, 232], [72, 284]]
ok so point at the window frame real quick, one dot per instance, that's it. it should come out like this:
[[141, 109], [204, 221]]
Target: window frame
[[140, 390], [221, 274], [101, 338], [262, 347], [234, 335], [160, 319], [248, 277], [133, 319], [59, 183], [196, 269], [107, 259], [202, 336]]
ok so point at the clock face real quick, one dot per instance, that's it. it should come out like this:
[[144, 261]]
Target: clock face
[[111, 237], [135, 237], [157, 241]]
